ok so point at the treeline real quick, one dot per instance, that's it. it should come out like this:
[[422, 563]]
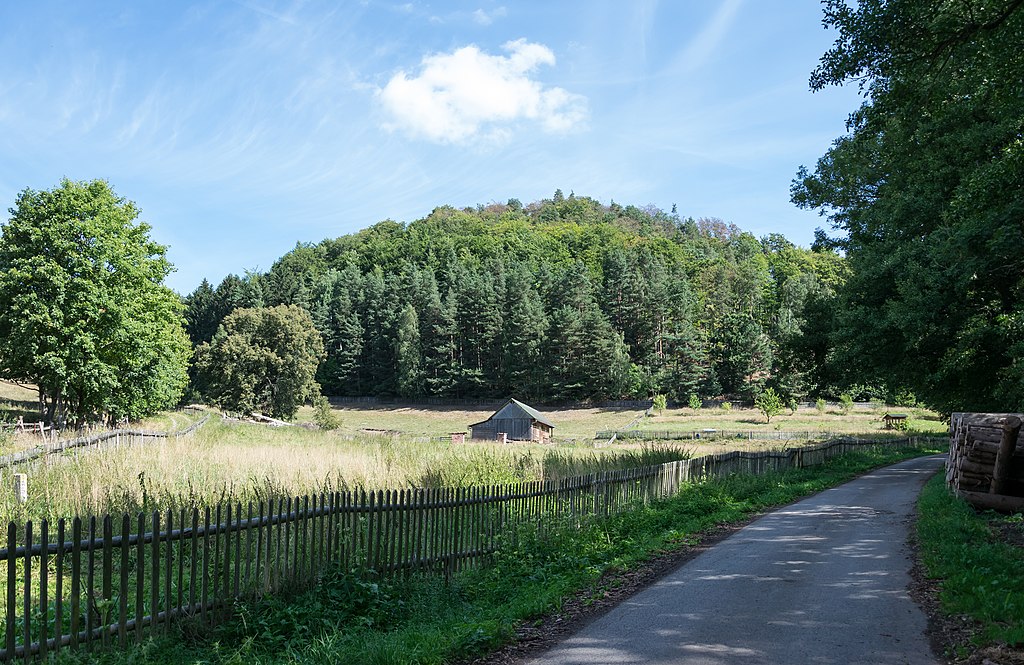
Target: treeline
[[565, 298]]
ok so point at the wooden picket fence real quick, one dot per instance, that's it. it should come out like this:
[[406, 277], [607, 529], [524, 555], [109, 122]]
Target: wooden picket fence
[[716, 434], [113, 580]]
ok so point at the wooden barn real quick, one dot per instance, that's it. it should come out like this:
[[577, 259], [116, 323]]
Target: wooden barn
[[516, 421]]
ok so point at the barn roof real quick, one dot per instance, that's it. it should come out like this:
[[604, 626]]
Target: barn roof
[[529, 410], [534, 413]]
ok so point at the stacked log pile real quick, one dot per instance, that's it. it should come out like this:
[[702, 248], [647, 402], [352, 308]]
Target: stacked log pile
[[986, 459]]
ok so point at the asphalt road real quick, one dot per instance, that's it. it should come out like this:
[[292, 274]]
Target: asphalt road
[[821, 581]]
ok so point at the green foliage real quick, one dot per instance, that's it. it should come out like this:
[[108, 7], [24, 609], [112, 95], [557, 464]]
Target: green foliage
[[567, 299], [904, 398], [425, 619], [83, 312], [845, 403], [694, 402], [324, 416], [819, 404], [408, 355], [659, 403], [769, 404], [924, 190], [979, 573], [262, 359], [793, 405], [726, 406]]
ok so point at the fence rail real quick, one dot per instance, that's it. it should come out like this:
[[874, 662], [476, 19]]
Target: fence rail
[[116, 579], [487, 402], [716, 434], [115, 436]]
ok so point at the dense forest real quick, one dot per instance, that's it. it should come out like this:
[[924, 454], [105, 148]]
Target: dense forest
[[561, 299]]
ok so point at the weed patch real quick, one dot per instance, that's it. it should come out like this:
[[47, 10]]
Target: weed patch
[[977, 566]]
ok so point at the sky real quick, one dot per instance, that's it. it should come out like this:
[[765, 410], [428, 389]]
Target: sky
[[242, 128]]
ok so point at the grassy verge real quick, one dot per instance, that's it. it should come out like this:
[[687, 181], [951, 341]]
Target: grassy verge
[[978, 570], [425, 619]]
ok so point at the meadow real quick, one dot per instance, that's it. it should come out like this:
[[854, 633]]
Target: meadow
[[861, 419], [247, 461], [582, 424], [435, 421]]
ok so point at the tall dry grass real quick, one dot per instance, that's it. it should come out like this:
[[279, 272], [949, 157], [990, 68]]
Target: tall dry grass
[[246, 462]]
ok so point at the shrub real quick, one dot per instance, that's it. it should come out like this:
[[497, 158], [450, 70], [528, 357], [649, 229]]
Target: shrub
[[793, 405], [726, 406], [695, 402], [660, 403], [845, 403], [769, 403], [323, 415], [819, 404]]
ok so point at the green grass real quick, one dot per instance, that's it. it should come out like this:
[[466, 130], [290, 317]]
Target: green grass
[[980, 575], [860, 420], [18, 401], [423, 619], [583, 424], [436, 421]]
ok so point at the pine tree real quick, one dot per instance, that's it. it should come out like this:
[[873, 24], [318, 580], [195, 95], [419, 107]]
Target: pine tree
[[200, 318], [409, 374], [378, 314], [338, 323], [524, 337], [479, 325]]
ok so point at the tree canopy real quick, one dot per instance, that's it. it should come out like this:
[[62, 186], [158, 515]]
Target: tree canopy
[[925, 189], [84, 314], [564, 298], [262, 359]]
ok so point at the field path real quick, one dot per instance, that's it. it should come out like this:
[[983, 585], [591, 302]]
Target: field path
[[820, 581]]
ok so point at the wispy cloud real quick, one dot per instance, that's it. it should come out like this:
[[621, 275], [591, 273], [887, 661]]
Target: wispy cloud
[[266, 11], [710, 36], [469, 95], [484, 17]]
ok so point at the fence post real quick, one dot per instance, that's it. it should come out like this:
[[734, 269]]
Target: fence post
[[21, 487]]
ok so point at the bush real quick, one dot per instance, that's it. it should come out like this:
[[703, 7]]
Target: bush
[[768, 403], [793, 405], [819, 404], [695, 402], [845, 403], [904, 398], [660, 403], [726, 406], [323, 415]]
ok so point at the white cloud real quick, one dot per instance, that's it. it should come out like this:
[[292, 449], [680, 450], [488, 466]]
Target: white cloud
[[469, 95], [483, 18]]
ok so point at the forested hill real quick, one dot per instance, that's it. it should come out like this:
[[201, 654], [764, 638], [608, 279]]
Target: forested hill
[[564, 298]]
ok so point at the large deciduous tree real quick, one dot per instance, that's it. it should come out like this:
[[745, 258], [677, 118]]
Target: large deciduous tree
[[262, 359], [84, 314], [926, 190]]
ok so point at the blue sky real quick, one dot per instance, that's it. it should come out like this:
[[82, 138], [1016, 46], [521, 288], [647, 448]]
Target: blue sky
[[240, 128]]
